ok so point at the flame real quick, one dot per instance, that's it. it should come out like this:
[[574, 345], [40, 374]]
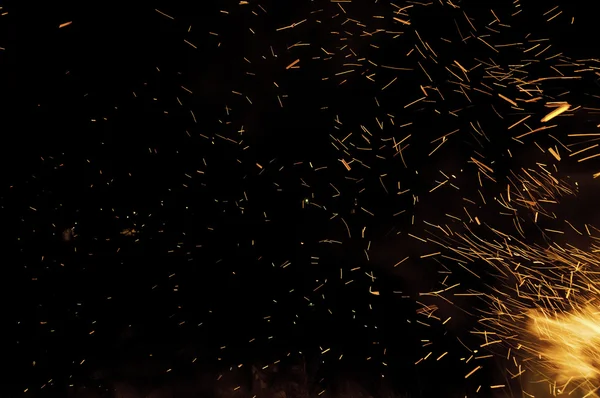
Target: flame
[[569, 345]]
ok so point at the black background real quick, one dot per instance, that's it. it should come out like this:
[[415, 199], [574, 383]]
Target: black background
[[101, 178]]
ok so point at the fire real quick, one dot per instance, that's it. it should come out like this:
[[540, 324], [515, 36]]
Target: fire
[[569, 346]]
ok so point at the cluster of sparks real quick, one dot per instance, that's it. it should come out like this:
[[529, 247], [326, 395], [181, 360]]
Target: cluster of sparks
[[449, 155], [544, 309]]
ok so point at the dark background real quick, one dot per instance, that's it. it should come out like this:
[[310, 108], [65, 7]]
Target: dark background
[[83, 153]]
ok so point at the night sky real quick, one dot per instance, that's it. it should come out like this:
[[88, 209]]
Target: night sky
[[188, 187]]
